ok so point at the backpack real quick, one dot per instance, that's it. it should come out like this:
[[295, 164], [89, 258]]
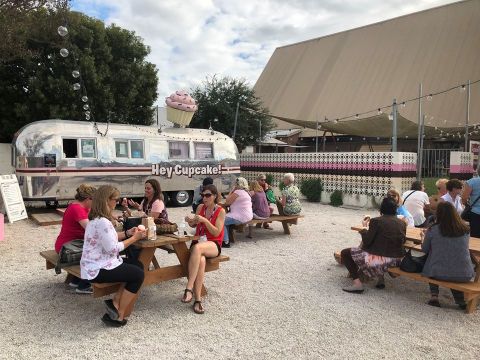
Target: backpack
[[270, 196], [69, 255]]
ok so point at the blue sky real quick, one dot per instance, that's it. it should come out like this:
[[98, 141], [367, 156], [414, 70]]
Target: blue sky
[[199, 38]]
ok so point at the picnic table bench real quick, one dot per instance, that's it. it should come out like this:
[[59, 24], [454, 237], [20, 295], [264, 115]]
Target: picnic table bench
[[286, 221], [147, 256], [470, 289]]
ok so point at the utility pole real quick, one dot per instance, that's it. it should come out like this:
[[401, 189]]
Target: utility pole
[[394, 130], [419, 149], [467, 117], [235, 122]]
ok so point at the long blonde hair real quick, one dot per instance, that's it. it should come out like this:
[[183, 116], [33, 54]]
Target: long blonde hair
[[255, 186], [100, 200]]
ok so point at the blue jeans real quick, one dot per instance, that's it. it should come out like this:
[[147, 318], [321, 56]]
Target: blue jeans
[[229, 221]]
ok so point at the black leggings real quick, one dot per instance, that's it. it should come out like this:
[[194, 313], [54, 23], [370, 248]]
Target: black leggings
[[346, 256], [475, 225], [129, 272]]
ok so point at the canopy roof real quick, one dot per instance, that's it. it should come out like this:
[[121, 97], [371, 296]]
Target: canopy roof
[[360, 70]]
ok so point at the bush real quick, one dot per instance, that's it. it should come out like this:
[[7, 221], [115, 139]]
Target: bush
[[336, 199], [281, 185], [312, 189]]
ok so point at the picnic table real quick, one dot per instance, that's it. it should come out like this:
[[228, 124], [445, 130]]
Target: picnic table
[[413, 241], [154, 275]]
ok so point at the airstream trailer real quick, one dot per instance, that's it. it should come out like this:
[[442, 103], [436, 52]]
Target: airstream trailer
[[52, 157]]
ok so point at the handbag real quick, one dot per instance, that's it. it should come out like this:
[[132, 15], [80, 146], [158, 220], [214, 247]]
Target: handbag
[[467, 211], [69, 255], [413, 264], [164, 226]]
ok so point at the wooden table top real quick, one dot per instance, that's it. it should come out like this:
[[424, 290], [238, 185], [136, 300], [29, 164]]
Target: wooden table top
[[166, 239], [413, 235]]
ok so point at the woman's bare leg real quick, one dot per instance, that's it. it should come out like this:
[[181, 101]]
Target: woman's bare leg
[[197, 287], [205, 249]]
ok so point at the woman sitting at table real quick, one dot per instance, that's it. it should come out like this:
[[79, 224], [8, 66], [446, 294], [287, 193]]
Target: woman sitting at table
[[382, 247], [152, 204], [240, 204], [402, 212], [447, 246], [74, 222], [209, 221], [101, 262], [289, 203], [260, 206]]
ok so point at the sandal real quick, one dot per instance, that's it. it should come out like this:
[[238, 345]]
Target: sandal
[[184, 299], [268, 227], [199, 309]]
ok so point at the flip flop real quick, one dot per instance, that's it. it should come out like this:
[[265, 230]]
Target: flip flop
[[200, 309], [111, 309], [113, 323], [184, 299]]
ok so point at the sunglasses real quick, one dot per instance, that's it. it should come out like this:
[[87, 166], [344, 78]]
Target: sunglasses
[[206, 195], [263, 180]]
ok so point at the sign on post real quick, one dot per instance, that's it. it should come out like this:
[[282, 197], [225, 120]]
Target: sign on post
[[12, 198]]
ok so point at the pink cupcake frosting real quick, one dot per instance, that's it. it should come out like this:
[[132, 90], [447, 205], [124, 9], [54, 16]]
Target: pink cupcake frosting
[[181, 100]]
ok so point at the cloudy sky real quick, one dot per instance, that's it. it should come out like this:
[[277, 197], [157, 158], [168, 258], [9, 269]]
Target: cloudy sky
[[194, 39]]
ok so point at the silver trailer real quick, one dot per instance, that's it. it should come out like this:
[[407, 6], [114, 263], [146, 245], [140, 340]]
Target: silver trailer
[[52, 157]]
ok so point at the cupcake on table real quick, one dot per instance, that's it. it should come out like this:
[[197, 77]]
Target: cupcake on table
[[180, 108]]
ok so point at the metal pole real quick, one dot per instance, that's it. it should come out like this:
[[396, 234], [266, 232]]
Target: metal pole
[[468, 116], [235, 123], [316, 137], [394, 130], [419, 163], [260, 140], [420, 152]]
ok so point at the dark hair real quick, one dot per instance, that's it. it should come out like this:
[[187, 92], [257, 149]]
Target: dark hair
[[454, 184], [207, 181], [157, 194], [417, 185], [450, 223], [213, 190], [388, 207]]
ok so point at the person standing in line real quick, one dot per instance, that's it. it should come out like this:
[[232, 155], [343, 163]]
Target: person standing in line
[[416, 202]]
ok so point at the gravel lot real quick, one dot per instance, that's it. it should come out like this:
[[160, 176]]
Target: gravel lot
[[278, 297]]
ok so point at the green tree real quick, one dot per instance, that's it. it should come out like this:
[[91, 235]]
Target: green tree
[[217, 99], [39, 84]]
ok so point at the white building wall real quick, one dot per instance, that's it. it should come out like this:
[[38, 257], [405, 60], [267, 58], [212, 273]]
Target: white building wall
[[5, 156]]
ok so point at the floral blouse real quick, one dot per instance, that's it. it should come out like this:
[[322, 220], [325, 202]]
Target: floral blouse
[[101, 248], [292, 204]]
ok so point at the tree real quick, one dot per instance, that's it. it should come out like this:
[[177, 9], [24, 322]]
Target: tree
[[217, 99], [119, 84]]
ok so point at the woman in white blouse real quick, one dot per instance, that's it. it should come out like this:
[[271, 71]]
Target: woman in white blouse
[[101, 262]]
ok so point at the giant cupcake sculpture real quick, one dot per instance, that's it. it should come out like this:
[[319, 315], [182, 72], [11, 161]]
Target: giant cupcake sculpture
[[180, 108]]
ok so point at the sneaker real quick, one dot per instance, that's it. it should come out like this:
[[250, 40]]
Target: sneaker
[[225, 245], [88, 290]]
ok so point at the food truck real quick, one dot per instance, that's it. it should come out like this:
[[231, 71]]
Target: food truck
[[53, 157]]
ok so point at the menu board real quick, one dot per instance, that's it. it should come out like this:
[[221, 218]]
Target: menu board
[[12, 198]]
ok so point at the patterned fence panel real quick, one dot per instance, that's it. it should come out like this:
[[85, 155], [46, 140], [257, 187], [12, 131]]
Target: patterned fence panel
[[353, 173]]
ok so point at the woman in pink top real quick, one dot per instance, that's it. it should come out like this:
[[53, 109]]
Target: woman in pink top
[[240, 204], [209, 221], [152, 204], [74, 222]]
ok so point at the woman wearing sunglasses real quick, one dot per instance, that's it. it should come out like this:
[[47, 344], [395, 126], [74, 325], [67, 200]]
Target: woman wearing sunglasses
[[209, 221]]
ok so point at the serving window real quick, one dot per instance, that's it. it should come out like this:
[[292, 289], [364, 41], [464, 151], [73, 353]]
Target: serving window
[[203, 150], [178, 150], [74, 148], [129, 149]]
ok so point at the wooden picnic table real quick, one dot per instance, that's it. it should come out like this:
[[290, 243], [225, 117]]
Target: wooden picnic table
[[154, 275]]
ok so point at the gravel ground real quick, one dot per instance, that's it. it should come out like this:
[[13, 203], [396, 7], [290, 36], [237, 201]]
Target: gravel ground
[[278, 297]]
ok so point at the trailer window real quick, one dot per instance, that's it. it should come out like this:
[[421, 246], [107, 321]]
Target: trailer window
[[121, 148], [178, 150], [88, 148], [136, 149], [70, 148], [203, 151]]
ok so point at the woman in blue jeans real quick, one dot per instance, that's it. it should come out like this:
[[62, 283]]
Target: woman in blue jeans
[[240, 204]]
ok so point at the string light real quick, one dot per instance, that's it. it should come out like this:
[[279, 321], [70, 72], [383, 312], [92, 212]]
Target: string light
[[429, 97]]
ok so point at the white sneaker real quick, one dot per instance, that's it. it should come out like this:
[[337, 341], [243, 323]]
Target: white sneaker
[[73, 285]]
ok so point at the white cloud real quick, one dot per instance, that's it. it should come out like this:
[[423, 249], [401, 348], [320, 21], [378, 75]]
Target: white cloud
[[199, 38]]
